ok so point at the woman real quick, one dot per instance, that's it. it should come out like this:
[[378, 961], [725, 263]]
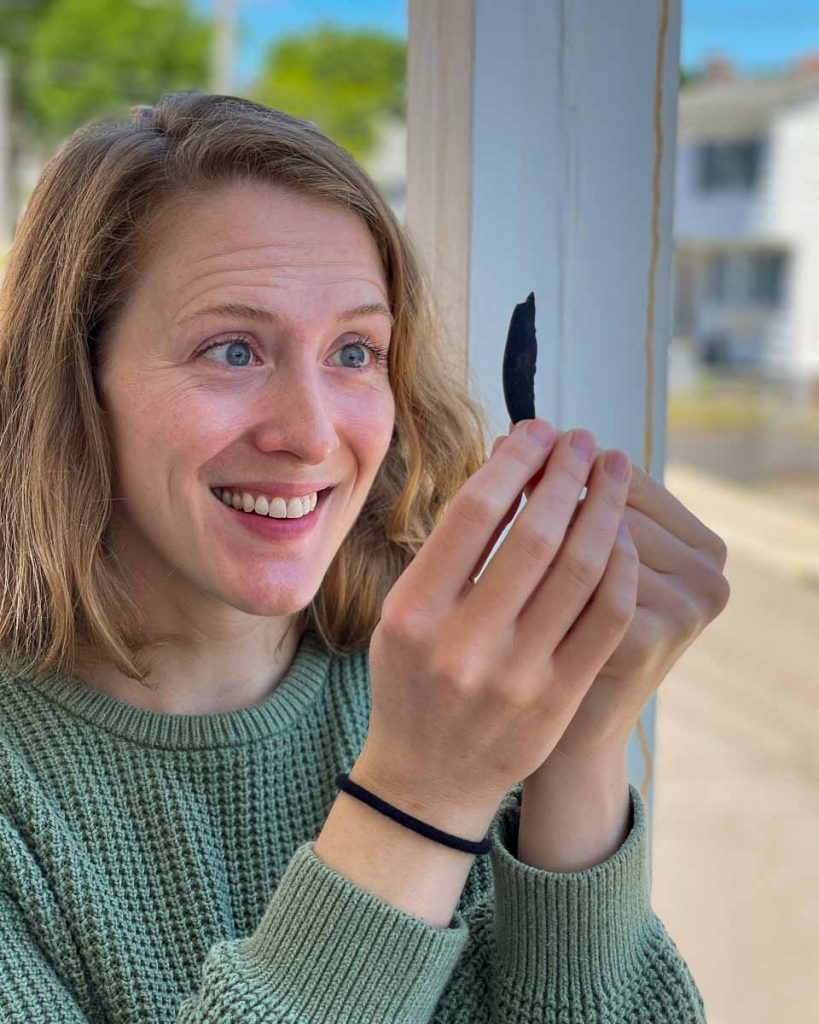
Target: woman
[[205, 503]]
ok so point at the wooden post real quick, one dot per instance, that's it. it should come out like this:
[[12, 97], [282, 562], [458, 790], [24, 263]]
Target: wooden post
[[540, 149]]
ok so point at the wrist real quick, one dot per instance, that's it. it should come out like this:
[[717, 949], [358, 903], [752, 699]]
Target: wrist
[[410, 872], [595, 765], [433, 802], [575, 812]]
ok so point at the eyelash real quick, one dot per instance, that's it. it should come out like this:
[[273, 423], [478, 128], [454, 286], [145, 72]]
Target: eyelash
[[379, 354]]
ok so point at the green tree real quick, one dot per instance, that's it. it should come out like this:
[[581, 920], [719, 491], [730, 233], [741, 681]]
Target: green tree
[[19, 18], [345, 81], [688, 77], [17, 26], [94, 58]]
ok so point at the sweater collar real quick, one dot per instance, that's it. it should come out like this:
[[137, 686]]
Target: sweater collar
[[280, 710]]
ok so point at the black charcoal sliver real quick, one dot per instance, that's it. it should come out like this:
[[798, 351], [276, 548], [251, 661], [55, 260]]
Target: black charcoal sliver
[[520, 361]]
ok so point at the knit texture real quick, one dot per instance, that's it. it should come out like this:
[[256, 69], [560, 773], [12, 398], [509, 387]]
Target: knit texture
[[160, 868]]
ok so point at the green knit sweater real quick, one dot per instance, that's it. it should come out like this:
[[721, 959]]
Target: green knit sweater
[[160, 868]]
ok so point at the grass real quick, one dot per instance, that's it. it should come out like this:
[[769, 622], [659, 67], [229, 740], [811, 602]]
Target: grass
[[736, 405]]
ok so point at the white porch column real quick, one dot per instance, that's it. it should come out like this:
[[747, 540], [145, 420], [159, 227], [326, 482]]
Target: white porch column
[[540, 153]]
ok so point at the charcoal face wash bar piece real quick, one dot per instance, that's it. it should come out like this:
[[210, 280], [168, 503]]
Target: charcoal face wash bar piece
[[519, 362]]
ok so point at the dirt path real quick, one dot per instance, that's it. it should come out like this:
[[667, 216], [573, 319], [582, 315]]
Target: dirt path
[[736, 830]]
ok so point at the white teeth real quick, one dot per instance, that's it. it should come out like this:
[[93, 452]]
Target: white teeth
[[276, 508]]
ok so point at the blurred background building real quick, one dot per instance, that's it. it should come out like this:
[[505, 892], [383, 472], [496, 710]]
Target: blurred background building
[[747, 224], [736, 874]]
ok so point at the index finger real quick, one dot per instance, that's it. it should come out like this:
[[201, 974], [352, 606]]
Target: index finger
[[436, 576], [654, 500]]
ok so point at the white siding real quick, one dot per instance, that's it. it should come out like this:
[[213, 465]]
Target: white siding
[[781, 210], [724, 216], [796, 213]]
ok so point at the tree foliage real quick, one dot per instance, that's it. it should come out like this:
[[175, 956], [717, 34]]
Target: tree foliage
[[689, 76], [94, 58], [345, 81], [19, 19], [17, 26], [72, 61]]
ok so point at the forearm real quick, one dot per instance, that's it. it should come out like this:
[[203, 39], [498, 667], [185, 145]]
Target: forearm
[[574, 816], [418, 875]]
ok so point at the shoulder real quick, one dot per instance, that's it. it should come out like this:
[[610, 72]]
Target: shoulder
[[23, 717], [31, 754]]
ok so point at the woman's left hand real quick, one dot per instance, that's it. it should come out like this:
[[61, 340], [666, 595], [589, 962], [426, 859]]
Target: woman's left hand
[[681, 589]]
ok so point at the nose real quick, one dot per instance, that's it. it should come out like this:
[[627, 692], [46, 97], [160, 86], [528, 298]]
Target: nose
[[295, 415]]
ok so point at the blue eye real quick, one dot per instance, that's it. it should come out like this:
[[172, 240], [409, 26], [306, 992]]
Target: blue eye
[[234, 346], [378, 354]]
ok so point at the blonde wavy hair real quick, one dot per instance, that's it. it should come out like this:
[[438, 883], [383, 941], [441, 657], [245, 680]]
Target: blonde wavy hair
[[63, 596]]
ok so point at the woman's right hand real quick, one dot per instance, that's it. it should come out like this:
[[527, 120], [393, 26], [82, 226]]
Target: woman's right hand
[[474, 683]]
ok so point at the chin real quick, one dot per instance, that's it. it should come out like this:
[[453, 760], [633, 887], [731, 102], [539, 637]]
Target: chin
[[274, 601]]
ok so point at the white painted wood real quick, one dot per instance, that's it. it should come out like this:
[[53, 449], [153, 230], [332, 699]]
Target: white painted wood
[[568, 185]]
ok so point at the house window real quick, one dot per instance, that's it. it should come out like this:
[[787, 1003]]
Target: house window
[[729, 165], [715, 278], [768, 270], [746, 278]]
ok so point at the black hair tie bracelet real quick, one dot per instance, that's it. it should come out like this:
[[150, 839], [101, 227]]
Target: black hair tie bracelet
[[346, 784]]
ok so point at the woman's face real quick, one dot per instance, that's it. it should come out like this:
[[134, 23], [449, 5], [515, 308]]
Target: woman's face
[[295, 401]]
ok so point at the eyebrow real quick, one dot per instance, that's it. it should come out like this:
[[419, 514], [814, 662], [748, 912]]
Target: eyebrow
[[268, 316]]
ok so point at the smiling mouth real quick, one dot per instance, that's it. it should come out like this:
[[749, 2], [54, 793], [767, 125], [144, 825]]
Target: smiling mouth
[[321, 496]]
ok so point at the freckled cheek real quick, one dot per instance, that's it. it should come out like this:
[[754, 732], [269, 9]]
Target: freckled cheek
[[368, 426], [190, 430], [361, 416], [201, 427], [157, 440]]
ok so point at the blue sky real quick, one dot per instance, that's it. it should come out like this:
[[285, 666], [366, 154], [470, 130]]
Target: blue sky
[[261, 21], [760, 35]]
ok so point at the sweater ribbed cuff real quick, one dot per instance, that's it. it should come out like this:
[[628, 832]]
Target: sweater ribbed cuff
[[558, 932], [340, 954]]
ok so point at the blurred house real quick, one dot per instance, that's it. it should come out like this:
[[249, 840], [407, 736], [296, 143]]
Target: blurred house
[[746, 225]]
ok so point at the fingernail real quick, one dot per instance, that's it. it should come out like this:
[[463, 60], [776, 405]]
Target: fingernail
[[616, 464], [541, 432], [583, 442], [622, 530]]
